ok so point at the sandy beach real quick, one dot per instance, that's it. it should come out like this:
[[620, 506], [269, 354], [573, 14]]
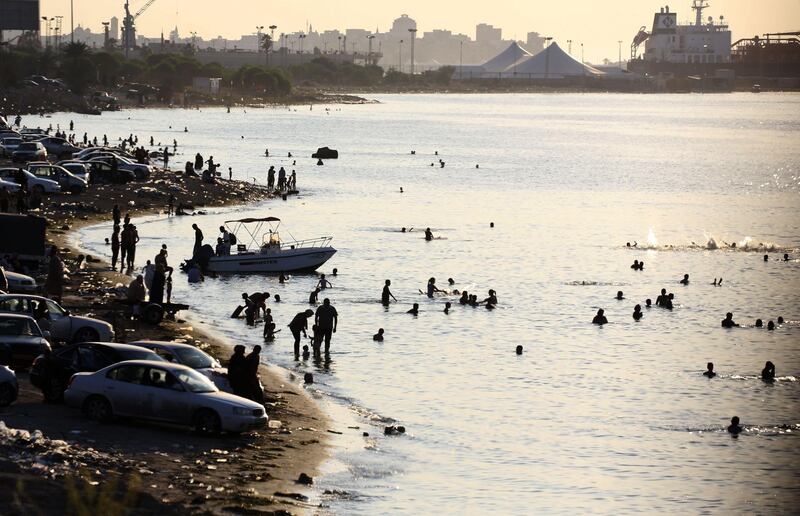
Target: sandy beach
[[139, 466]]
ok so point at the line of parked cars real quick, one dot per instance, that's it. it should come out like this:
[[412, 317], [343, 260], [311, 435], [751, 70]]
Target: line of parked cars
[[166, 382]]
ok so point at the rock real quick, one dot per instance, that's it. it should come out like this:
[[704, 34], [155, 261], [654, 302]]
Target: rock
[[305, 479]]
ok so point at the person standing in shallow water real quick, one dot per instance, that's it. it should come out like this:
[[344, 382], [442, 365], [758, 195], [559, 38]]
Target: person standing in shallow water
[[600, 319], [768, 373], [198, 240], [299, 324], [735, 428], [637, 312], [327, 319], [428, 234], [386, 294]]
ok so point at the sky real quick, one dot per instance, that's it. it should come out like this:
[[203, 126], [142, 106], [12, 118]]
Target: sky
[[598, 24]]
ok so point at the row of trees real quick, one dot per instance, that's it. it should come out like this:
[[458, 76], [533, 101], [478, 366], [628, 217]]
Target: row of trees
[[81, 69]]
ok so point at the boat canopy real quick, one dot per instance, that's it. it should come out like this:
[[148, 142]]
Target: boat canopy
[[250, 221]]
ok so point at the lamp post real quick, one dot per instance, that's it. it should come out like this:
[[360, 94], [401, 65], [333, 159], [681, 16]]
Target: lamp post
[[271, 41], [58, 31], [105, 34], [582, 60], [369, 54], [194, 40], [259, 28], [547, 40], [461, 59], [569, 46], [44, 19], [400, 58], [620, 54], [413, 37]]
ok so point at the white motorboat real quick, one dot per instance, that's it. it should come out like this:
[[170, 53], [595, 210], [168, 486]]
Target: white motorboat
[[267, 253]]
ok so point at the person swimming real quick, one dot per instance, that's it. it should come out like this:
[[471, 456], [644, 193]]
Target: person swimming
[[785, 257], [312, 298], [432, 288], [710, 370], [637, 312], [648, 303], [600, 319], [685, 280], [519, 349], [473, 301], [428, 234], [780, 319], [668, 302], [619, 297], [492, 299], [770, 326], [759, 323], [464, 299], [378, 337], [451, 281], [635, 265], [414, 309], [641, 265], [768, 373], [766, 257], [728, 321], [662, 298], [734, 428], [447, 307]]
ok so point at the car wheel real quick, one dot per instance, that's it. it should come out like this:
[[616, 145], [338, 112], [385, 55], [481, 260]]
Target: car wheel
[[7, 394], [38, 189], [53, 390], [86, 334], [97, 408], [206, 422]]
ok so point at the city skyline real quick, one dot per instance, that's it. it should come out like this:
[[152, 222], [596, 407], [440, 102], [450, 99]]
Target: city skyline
[[581, 21]]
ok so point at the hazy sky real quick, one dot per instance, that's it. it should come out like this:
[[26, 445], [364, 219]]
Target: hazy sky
[[599, 24]]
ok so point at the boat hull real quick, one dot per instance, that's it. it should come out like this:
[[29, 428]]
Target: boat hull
[[295, 260]]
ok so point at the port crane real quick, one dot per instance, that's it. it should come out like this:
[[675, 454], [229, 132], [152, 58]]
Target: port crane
[[128, 26]]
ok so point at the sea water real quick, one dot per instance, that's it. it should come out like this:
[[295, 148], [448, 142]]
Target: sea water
[[611, 419]]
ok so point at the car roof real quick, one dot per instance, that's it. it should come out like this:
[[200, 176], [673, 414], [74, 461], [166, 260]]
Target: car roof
[[14, 316], [112, 345], [171, 366], [163, 343], [25, 296]]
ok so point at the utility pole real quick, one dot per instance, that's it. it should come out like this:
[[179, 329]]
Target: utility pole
[[461, 59], [271, 41], [413, 37], [369, 55], [620, 54], [400, 58], [569, 46], [58, 32], [71, 22]]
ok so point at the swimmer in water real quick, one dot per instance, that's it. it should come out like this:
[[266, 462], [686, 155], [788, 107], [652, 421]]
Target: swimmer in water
[[306, 352], [335, 272], [323, 283], [668, 302], [766, 257], [600, 319], [637, 312], [312, 299], [768, 373], [492, 299], [685, 280], [451, 281], [414, 309], [780, 319], [619, 297], [378, 337], [641, 265], [734, 428], [710, 370], [473, 301], [447, 307], [662, 298], [785, 257], [428, 234], [432, 288], [386, 294], [728, 321], [770, 326], [464, 299], [759, 323], [519, 350], [635, 265], [648, 303]]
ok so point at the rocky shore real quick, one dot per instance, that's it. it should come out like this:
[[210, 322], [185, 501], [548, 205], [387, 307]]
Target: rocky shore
[[52, 459]]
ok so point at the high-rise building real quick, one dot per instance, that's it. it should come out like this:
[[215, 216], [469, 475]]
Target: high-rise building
[[401, 25], [535, 42], [113, 28], [485, 33]]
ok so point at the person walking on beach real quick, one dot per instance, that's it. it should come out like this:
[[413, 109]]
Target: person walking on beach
[[386, 294], [198, 240], [237, 366], [116, 215], [271, 177], [299, 324], [327, 319]]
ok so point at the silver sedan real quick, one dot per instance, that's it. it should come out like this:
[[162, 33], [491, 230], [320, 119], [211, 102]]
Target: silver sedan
[[164, 392]]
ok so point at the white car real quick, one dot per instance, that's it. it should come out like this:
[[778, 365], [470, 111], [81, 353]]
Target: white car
[[159, 391], [9, 186], [68, 182], [20, 283], [21, 340], [88, 152], [76, 168], [141, 170], [9, 388], [8, 144], [63, 325], [35, 184]]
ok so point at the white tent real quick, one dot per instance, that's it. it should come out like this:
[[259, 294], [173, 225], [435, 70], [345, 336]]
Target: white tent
[[506, 58], [551, 63]]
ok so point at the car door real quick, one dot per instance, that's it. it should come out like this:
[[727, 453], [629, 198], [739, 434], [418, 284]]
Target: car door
[[164, 397], [60, 322], [123, 387]]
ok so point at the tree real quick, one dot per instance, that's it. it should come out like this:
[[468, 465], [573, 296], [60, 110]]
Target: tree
[[77, 68]]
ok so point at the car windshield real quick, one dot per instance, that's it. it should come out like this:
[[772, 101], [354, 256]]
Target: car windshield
[[27, 146], [193, 358], [12, 141], [140, 354], [195, 382], [16, 327]]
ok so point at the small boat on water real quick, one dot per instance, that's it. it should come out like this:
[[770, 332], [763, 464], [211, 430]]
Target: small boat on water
[[266, 252]]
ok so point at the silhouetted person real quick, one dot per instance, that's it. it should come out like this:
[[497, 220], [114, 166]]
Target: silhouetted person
[[116, 215], [114, 246], [710, 370], [648, 303], [299, 324], [770, 326], [637, 312], [768, 373], [414, 309], [447, 307], [327, 319], [431, 288], [306, 355], [386, 294], [780, 319], [785, 257], [492, 299], [428, 234], [378, 337], [312, 298], [663, 297], [641, 265], [685, 280], [198, 240], [269, 325], [519, 349], [635, 265], [668, 302], [766, 257], [734, 428], [728, 322], [619, 297], [323, 283], [237, 373], [759, 323], [600, 318], [451, 281], [252, 361], [464, 299]]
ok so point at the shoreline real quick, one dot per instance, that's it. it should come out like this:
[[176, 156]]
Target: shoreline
[[252, 472]]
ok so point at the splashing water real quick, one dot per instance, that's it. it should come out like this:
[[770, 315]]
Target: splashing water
[[652, 241]]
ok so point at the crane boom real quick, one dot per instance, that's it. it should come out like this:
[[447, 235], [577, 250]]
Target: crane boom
[[143, 8]]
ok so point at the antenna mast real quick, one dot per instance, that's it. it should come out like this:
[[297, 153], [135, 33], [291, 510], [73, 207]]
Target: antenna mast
[[698, 6]]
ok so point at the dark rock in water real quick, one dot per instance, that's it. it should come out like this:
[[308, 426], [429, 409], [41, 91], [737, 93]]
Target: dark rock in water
[[308, 378], [326, 153], [305, 479]]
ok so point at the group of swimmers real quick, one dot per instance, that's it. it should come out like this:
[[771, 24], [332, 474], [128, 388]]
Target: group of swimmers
[[728, 322]]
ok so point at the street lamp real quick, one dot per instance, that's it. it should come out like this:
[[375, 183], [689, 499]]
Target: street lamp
[[413, 37], [271, 41], [569, 46], [619, 60], [547, 40], [369, 55], [259, 28], [71, 22], [400, 58], [58, 31]]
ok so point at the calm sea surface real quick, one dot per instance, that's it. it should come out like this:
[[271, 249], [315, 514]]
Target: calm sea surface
[[612, 419]]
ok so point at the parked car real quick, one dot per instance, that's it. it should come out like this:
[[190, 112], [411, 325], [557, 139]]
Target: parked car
[[21, 340], [76, 168], [29, 151], [103, 97], [58, 146], [35, 184], [33, 130], [51, 372], [64, 327], [20, 283], [9, 388], [8, 144], [9, 185], [102, 173], [164, 392], [141, 170], [67, 181], [190, 356]]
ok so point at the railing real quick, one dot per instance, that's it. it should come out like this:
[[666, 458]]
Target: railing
[[307, 244]]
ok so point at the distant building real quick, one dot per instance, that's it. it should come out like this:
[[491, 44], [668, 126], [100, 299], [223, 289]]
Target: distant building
[[401, 25], [206, 84], [485, 33], [113, 28], [534, 43]]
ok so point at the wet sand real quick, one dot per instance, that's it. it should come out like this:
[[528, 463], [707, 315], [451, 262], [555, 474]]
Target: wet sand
[[165, 469]]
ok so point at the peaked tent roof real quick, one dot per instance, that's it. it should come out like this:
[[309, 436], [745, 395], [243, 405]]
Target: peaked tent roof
[[506, 58], [552, 62]]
